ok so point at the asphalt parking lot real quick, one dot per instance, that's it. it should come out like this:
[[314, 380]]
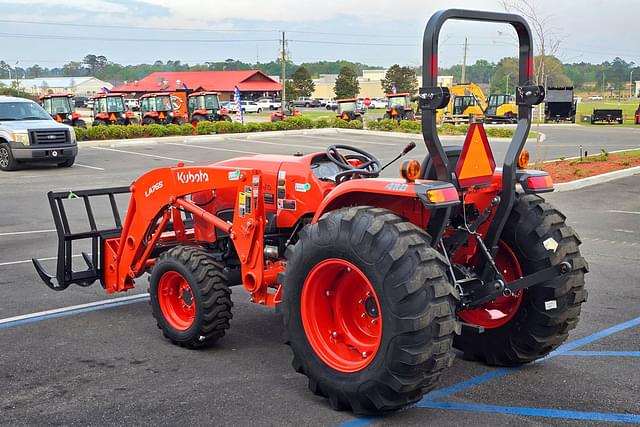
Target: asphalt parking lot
[[107, 363]]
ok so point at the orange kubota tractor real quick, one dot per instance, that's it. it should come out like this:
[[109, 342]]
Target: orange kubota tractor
[[205, 106], [348, 110], [160, 108], [376, 278], [399, 107], [60, 106], [110, 109]]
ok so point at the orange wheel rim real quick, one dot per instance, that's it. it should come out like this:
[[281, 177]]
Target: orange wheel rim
[[500, 311], [341, 315], [176, 300]]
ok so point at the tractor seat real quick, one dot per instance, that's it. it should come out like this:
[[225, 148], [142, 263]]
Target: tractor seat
[[453, 154]]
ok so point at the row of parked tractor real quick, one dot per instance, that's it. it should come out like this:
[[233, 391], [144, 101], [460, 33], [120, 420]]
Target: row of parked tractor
[[155, 108]]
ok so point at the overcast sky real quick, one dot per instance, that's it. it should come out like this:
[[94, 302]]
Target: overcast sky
[[381, 32]]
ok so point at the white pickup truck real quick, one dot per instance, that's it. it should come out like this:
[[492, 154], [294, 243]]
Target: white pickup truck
[[29, 134], [268, 104]]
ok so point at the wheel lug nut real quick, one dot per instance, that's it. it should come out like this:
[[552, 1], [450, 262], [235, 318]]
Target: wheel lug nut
[[363, 315], [364, 354], [327, 293], [334, 334], [348, 269], [360, 301], [374, 321]]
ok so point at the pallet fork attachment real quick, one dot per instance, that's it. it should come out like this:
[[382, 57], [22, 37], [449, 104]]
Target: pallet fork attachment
[[65, 275]]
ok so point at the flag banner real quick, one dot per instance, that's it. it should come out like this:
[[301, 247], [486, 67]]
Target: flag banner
[[238, 105]]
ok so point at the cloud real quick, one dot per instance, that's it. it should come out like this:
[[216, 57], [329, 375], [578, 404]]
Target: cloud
[[103, 6], [296, 10]]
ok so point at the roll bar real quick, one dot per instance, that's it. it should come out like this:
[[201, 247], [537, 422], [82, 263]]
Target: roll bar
[[433, 97]]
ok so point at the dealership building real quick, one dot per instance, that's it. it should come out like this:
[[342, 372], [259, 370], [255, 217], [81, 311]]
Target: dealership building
[[252, 83], [80, 86]]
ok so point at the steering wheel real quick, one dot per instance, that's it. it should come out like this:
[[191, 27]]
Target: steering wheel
[[369, 166]]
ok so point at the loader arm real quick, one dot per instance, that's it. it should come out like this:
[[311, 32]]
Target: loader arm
[[161, 195]]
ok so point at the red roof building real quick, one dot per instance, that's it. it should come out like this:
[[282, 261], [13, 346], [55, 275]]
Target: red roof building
[[252, 83]]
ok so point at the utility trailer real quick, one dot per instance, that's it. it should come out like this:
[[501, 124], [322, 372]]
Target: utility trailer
[[560, 105], [607, 115]]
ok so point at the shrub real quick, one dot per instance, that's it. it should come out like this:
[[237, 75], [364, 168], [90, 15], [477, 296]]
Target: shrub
[[500, 132], [81, 134], [187, 129], [267, 126], [388, 125], [300, 123], [205, 128], [222, 127], [339, 123], [355, 124], [409, 126], [252, 127], [117, 132], [98, 132], [156, 131], [322, 123], [135, 131]]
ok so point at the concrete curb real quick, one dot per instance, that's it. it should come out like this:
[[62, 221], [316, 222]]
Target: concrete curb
[[596, 179]]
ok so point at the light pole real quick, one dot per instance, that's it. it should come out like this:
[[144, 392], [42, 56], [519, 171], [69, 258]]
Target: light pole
[[507, 89], [631, 84]]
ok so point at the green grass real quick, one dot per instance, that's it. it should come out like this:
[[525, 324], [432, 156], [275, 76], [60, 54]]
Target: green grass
[[585, 108]]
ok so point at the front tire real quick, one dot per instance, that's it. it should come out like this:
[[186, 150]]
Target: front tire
[[547, 311], [7, 161], [67, 163], [380, 339], [190, 299]]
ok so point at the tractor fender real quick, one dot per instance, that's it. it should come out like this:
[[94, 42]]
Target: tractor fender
[[407, 199]]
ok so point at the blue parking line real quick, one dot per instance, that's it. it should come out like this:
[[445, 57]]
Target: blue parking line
[[533, 412], [428, 401], [602, 353]]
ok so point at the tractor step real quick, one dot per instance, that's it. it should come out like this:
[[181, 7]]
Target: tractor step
[[65, 274]]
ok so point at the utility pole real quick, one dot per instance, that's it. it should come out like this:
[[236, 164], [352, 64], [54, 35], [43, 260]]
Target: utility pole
[[284, 71], [631, 83], [464, 63], [604, 94]]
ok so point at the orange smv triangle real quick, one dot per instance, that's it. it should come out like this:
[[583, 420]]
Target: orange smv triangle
[[112, 117], [161, 116], [476, 164]]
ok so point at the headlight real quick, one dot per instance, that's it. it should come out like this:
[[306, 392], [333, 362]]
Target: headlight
[[21, 137], [72, 135]]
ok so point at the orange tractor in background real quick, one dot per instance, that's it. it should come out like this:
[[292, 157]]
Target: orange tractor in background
[[205, 106], [61, 107], [399, 107], [377, 278], [348, 110], [280, 115], [162, 108], [110, 109]]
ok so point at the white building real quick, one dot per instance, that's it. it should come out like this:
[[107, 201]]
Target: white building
[[81, 86]]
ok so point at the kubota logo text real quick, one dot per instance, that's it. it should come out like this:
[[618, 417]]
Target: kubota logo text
[[189, 178]]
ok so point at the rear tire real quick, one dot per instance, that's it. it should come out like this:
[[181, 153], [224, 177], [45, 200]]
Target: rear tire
[[534, 331], [190, 299], [80, 124], [7, 161], [415, 305], [148, 121]]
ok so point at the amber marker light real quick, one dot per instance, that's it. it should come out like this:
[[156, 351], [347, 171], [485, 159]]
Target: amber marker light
[[523, 159], [410, 170]]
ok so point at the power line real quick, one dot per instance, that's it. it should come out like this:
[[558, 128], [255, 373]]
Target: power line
[[121, 39]]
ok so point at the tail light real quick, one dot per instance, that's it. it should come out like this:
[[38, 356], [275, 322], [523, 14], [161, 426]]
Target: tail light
[[443, 195]]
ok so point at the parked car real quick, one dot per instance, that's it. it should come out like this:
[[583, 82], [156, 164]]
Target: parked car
[[89, 104], [331, 105], [132, 104], [247, 107], [306, 102], [29, 134], [268, 104], [378, 103], [596, 98]]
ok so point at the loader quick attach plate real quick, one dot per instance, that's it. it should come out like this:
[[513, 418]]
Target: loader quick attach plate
[[65, 275]]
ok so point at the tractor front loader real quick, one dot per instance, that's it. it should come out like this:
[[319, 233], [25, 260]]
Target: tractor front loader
[[376, 278]]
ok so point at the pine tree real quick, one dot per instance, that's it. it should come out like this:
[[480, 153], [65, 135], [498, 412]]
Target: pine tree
[[347, 85]]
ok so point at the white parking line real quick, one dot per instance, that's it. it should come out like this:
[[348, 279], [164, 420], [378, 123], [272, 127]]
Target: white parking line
[[280, 144], [28, 261], [89, 167], [211, 148], [57, 312], [16, 233], [155, 156], [625, 212]]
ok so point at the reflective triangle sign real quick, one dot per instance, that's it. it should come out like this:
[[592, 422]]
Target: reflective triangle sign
[[476, 164], [112, 117]]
